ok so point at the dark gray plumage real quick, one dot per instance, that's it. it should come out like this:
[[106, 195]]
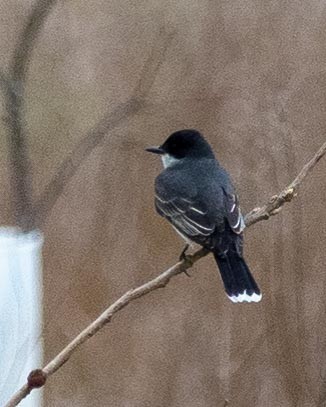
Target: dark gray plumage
[[197, 196]]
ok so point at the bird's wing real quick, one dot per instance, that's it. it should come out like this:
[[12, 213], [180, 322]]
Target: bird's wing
[[186, 214], [233, 212]]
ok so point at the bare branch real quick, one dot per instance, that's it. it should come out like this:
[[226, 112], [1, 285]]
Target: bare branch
[[27, 39], [71, 164], [19, 396], [158, 282], [29, 216], [20, 176], [14, 87], [276, 202], [95, 136]]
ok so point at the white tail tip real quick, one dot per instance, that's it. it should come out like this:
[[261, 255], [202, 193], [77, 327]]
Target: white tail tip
[[244, 297]]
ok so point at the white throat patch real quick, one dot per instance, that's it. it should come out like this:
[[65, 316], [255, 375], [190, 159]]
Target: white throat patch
[[168, 160]]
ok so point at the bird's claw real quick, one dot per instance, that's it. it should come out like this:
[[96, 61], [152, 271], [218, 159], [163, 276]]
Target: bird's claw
[[183, 257]]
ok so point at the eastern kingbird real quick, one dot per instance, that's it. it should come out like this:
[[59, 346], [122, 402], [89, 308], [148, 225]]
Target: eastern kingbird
[[196, 195]]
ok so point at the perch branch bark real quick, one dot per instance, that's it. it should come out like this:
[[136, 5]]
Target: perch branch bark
[[37, 378]]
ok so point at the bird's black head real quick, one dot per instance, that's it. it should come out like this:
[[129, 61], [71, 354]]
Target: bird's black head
[[185, 143]]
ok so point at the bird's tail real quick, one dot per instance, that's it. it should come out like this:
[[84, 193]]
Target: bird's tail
[[239, 284]]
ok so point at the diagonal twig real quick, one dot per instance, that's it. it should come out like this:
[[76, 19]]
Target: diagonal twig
[[37, 378], [276, 202], [13, 86], [96, 135]]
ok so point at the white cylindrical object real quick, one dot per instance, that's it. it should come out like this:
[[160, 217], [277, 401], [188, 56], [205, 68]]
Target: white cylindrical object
[[21, 346]]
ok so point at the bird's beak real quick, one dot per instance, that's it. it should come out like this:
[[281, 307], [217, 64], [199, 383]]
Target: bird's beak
[[155, 150]]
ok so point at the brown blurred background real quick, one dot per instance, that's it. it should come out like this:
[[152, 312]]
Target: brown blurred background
[[251, 76]]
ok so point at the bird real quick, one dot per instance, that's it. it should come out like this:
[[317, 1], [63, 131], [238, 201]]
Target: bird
[[196, 195]]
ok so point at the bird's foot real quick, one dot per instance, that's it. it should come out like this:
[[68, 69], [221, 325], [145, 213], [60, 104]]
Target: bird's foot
[[183, 257]]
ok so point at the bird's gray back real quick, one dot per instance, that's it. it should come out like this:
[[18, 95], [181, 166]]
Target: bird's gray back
[[198, 180]]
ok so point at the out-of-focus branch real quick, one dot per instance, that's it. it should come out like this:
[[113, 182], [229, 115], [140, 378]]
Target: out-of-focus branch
[[95, 136], [37, 378], [84, 148], [28, 37], [276, 202], [13, 86], [30, 216]]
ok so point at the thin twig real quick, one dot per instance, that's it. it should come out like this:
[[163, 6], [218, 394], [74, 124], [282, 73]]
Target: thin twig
[[96, 135], [28, 38], [13, 86], [276, 202], [159, 282], [72, 163]]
